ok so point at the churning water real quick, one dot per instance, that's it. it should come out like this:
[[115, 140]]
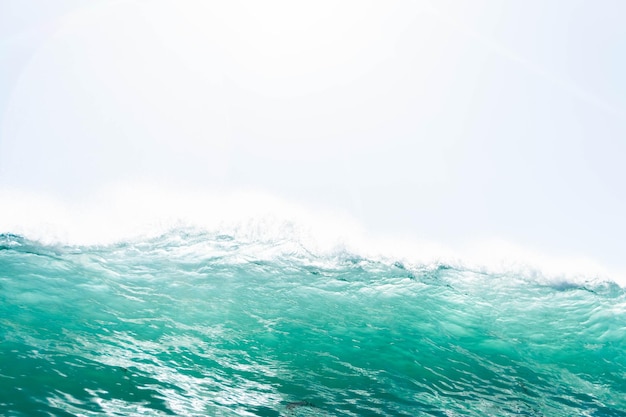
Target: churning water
[[194, 323]]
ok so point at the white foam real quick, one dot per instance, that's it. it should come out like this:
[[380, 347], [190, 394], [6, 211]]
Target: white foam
[[133, 211], [137, 211]]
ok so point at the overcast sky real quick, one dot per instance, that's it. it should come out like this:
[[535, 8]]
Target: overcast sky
[[450, 121]]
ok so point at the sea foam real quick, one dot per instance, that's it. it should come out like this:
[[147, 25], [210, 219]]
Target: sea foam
[[138, 211]]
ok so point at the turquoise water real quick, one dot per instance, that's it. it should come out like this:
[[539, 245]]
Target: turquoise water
[[200, 324]]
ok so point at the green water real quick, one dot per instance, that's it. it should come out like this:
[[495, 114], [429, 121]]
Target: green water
[[195, 324]]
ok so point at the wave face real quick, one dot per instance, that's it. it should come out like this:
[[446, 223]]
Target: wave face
[[193, 323]]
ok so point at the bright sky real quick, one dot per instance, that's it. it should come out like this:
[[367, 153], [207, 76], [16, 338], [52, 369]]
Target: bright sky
[[449, 121]]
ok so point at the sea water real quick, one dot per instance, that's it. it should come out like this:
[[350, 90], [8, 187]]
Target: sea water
[[198, 323]]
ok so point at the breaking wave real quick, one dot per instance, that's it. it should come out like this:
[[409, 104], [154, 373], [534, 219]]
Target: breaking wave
[[279, 314]]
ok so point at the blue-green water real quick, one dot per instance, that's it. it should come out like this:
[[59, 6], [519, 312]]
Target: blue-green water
[[198, 324]]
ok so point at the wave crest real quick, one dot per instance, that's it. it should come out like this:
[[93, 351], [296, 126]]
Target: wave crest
[[258, 226]]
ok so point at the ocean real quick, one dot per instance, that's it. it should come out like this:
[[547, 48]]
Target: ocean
[[193, 322]]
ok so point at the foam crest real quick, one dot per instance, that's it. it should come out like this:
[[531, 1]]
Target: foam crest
[[139, 212]]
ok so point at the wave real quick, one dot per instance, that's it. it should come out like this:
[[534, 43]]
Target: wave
[[254, 319]]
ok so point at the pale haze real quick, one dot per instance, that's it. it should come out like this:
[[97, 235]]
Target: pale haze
[[445, 121]]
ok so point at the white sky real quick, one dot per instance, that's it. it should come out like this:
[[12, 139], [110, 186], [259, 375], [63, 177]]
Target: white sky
[[449, 121]]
